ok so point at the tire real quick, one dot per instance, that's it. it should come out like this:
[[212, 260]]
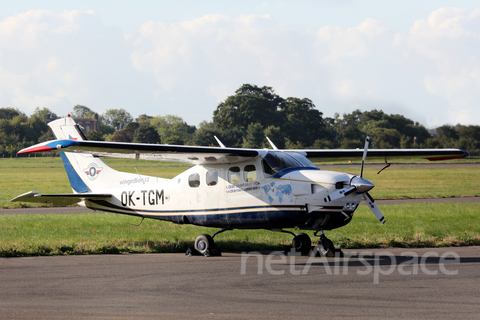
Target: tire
[[204, 243], [302, 243], [327, 247]]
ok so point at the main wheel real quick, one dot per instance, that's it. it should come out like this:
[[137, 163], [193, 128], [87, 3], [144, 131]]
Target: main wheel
[[203, 243], [327, 248], [302, 243]]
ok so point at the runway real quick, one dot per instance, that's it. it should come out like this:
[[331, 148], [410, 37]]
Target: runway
[[366, 284]]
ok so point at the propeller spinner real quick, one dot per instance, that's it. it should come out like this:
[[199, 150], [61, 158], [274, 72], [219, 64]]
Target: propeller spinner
[[359, 185]]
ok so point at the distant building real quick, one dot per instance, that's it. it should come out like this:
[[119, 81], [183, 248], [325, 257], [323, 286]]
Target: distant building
[[86, 124]]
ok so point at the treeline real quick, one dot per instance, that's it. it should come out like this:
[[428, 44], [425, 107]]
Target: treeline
[[244, 120]]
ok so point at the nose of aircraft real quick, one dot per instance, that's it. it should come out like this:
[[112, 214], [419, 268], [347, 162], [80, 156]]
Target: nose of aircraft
[[361, 185]]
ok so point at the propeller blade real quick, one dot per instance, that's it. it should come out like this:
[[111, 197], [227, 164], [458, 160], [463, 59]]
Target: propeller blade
[[365, 150], [339, 194], [373, 206]]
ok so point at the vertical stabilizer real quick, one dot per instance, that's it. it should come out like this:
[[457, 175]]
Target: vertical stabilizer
[[88, 173]]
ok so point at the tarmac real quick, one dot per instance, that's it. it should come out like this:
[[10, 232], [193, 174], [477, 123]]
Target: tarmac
[[440, 283]]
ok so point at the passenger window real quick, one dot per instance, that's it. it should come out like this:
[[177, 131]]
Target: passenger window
[[234, 175], [194, 180], [212, 177], [249, 173]]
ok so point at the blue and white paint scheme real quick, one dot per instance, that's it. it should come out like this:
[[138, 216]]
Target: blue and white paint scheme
[[227, 188]]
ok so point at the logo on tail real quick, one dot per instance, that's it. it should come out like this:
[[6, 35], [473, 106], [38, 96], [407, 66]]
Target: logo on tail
[[92, 171]]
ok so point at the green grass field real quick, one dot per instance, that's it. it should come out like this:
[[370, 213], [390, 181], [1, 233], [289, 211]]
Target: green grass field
[[409, 225]]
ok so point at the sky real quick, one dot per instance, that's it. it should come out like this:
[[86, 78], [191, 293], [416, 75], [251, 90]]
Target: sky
[[420, 59]]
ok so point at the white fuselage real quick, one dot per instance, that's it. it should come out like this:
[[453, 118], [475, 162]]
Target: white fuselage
[[239, 195]]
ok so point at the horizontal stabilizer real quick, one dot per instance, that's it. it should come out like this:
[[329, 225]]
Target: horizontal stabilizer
[[59, 199], [158, 152]]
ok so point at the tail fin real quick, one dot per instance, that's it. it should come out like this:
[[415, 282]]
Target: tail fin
[[88, 173]]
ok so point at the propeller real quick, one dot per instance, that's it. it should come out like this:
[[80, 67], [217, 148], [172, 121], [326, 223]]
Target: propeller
[[360, 186], [373, 206], [365, 149]]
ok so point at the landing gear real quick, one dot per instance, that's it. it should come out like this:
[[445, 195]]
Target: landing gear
[[204, 243], [302, 243], [325, 246]]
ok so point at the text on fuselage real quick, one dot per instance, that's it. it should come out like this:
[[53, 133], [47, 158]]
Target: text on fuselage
[[146, 197]]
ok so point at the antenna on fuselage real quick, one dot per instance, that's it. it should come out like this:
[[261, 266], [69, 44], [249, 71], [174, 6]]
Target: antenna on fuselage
[[272, 144], [139, 175], [219, 142]]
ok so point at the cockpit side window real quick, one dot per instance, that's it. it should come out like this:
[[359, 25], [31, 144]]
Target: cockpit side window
[[267, 169], [234, 175], [249, 173], [276, 161]]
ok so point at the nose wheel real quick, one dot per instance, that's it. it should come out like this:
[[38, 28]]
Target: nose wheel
[[325, 246]]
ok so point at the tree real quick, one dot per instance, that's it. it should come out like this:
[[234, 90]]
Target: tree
[[348, 127], [9, 113], [117, 118], [144, 117], [122, 136], [46, 136], [250, 104], [466, 132], [254, 137], [276, 135], [382, 138], [106, 129], [172, 129], [301, 121], [36, 128], [372, 121], [146, 133], [20, 126], [351, 143], [205, 134], [80, 111], [323, 144], [44, 114], [94, 136]]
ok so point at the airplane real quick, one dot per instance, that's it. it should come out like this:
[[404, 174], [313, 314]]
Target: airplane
[[227, 188]]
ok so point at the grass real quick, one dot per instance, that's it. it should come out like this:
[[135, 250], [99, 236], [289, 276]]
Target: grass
[[411, 225]]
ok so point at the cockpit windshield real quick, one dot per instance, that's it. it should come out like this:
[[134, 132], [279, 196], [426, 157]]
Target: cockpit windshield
[[276, 161]]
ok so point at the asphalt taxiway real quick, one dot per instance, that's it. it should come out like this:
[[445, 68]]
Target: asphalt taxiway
[[366, 284]]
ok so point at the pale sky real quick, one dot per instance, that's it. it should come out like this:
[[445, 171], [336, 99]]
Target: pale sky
[[420, 59]]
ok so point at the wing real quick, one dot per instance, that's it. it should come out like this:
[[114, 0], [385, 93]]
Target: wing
[[188, 154], [212, 155], [59, 199], [348, 154]]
